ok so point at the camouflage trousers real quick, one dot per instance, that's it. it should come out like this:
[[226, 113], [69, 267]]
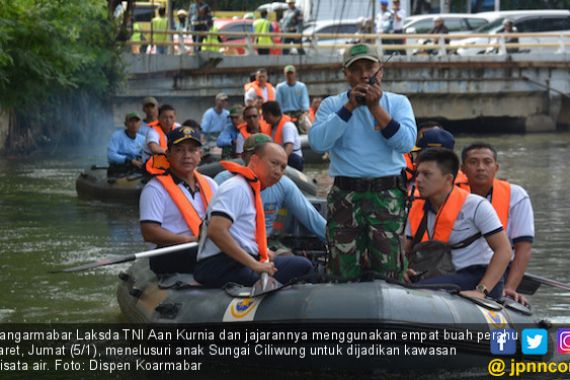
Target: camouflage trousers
[[363, 232]]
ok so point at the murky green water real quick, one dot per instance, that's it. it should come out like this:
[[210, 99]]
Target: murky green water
[[44, 227]]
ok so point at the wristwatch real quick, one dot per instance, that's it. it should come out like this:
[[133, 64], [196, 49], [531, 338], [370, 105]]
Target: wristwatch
[[482, 289]]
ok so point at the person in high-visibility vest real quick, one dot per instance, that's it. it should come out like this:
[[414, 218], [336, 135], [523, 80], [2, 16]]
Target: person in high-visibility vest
[[211, 42], [137, 36], [263, 25], [159, 25]]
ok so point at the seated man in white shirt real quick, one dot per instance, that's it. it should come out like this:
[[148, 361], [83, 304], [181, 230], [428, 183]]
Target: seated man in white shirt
[[233, 244], [465, 222], [173, 205], [284, 133]]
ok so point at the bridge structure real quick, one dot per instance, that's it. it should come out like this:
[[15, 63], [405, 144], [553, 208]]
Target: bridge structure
[[484, 93]]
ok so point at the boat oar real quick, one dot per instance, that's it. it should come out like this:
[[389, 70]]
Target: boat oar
[[265, 284], [127, 258], [531, 282]]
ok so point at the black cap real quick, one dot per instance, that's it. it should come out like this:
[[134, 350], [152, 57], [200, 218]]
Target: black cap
[[177, 135]]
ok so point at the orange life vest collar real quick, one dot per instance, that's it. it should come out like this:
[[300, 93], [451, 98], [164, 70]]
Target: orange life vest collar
[[187, 210], [278, 139], [445, 218], [242, 128], [259, 91], [260, 233]]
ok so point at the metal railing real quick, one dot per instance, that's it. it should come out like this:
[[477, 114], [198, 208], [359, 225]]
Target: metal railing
[[439, 43]]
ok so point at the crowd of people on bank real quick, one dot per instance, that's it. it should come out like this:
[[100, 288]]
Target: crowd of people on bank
[[199, 18], [393, 182]]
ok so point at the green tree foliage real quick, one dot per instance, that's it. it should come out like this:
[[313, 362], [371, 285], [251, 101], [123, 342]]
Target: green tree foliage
[[49, 45], [52, 51]]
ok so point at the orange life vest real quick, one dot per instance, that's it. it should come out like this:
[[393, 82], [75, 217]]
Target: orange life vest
[[462, 181], [500, 198], [157, 163], [264, 127], [186, 209], [259, 90], [278, 139], [260, 233], [445, 217]]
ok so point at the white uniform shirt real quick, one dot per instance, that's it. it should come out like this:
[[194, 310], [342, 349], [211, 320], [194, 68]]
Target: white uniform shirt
[[157, 206], [234, 200], [521, 217], [290, 136], [477, 215]]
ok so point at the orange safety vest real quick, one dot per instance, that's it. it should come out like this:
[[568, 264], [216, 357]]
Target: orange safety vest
[[157, 163], [500, 198], [259, 91], [278, 139], [260, 233], [186, 209], [445, 217]]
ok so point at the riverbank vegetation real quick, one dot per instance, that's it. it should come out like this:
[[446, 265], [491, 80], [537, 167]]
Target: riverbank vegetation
[[59, 64]]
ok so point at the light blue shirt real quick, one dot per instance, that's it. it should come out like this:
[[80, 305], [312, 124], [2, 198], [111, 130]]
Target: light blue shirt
[[228, 135], [355, 148], [122, 147], [292, 98], [285, 194], [213, 122]]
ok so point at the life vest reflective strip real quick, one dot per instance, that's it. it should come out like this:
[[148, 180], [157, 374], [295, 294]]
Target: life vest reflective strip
[[253, 181], [259, 91], [500, 197], [157, 163], [444, 219], [278, 139], [187, 210]]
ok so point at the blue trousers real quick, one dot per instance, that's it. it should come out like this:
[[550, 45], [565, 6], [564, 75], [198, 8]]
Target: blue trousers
[[295, 161], [218, 270], [467, 279]]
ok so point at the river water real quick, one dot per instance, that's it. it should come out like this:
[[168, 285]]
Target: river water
[[46, 227]]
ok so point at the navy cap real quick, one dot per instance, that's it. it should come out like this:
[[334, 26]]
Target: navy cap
[[435, 138], [177, 135]]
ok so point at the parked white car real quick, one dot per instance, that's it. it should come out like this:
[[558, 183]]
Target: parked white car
[[455, 23], [313, 30], [526, 21]]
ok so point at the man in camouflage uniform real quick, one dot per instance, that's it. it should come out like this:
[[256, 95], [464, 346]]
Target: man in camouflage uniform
[[366, 132]]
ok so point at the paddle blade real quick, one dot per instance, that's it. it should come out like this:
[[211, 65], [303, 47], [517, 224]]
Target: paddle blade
[[99, 263], [264, 285]]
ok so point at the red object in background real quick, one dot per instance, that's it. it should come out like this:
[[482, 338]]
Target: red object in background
[[231, 25]]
